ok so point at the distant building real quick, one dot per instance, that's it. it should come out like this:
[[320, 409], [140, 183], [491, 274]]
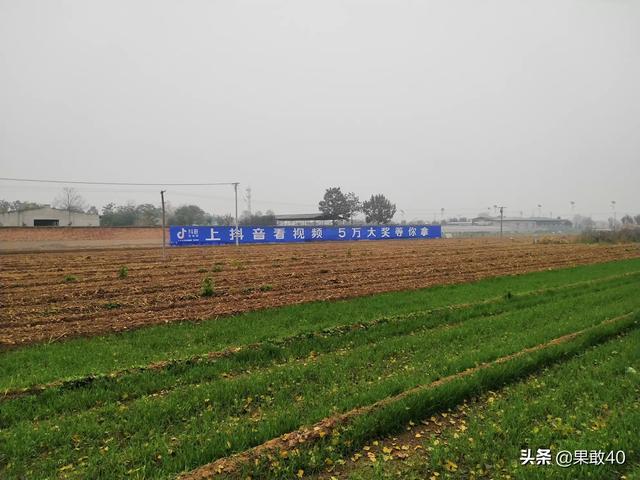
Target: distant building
[[304, 219], [48, 217], [524, 224]]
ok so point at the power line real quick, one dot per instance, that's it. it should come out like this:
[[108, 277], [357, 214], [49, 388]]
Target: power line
[[130, 184]]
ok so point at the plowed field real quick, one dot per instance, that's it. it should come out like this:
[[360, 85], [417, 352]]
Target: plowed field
[[52, 296]]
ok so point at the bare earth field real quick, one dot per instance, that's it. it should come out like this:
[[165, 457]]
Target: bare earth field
[[29, 239], [39, 305]]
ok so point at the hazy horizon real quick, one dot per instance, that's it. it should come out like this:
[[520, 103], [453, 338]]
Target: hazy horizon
[[455, 105]]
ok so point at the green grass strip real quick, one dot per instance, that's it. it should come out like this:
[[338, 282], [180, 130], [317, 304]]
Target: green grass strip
[[204, 417], [299, 346], [98, 355], [392, 415], [590, 402]]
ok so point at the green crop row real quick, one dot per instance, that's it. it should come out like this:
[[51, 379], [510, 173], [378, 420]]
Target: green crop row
[[187, 425], [99, 355], [85, 393], [591, 402]]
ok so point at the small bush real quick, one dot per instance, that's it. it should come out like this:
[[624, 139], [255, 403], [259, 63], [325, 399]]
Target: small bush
[[217, 267], [624, 235], [208, 288], [70, 279], [237, 264], [201, 270], [247, 290], [266, 288], [554, 240], [123, 272], [112, 305]]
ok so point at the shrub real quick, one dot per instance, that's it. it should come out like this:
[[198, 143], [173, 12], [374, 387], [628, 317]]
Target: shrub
[[624, 235], [123, 272], [208, 288], [217, 267], [237, 264], [556, 240], [266, 287], [70, 278]]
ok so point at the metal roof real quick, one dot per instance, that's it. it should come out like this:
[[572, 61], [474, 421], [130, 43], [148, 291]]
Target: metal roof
[[304, 216], [524, 219]]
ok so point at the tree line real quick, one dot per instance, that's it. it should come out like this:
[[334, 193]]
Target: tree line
[[337, 206], [151, 215]]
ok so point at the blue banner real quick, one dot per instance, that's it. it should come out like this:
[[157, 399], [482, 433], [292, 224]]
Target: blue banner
[[201, 235]]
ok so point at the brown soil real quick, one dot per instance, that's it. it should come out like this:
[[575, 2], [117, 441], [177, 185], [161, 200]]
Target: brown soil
[[37, 304]]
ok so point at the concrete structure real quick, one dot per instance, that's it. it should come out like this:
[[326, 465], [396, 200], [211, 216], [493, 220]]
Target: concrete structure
[[48, 217], [468, 229], [304, 219], [524, 224]]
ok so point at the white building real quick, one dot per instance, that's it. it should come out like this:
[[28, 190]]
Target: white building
[[48, 217], [304, 219], [524, 224]]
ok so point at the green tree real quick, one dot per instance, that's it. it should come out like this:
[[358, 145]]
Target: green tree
[[223, 220], [118, 215], [258, 218], [189, 215], [148, 215], [17, 205], [354, 204], [335, 204], [378, 209], [583, 223]]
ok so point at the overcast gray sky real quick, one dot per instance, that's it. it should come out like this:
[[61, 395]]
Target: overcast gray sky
[[455, 104]]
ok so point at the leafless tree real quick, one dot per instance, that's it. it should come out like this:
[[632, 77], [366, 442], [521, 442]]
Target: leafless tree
[[71, 201]]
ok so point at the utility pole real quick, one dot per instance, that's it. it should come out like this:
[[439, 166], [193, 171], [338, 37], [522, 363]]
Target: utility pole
[[164, 226], [235, 189], [501, 218], [613, 206], [248, 198]]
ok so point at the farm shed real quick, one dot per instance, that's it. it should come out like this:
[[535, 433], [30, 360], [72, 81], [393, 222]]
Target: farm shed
[[48, 217], [525, 224], [304, 219]]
